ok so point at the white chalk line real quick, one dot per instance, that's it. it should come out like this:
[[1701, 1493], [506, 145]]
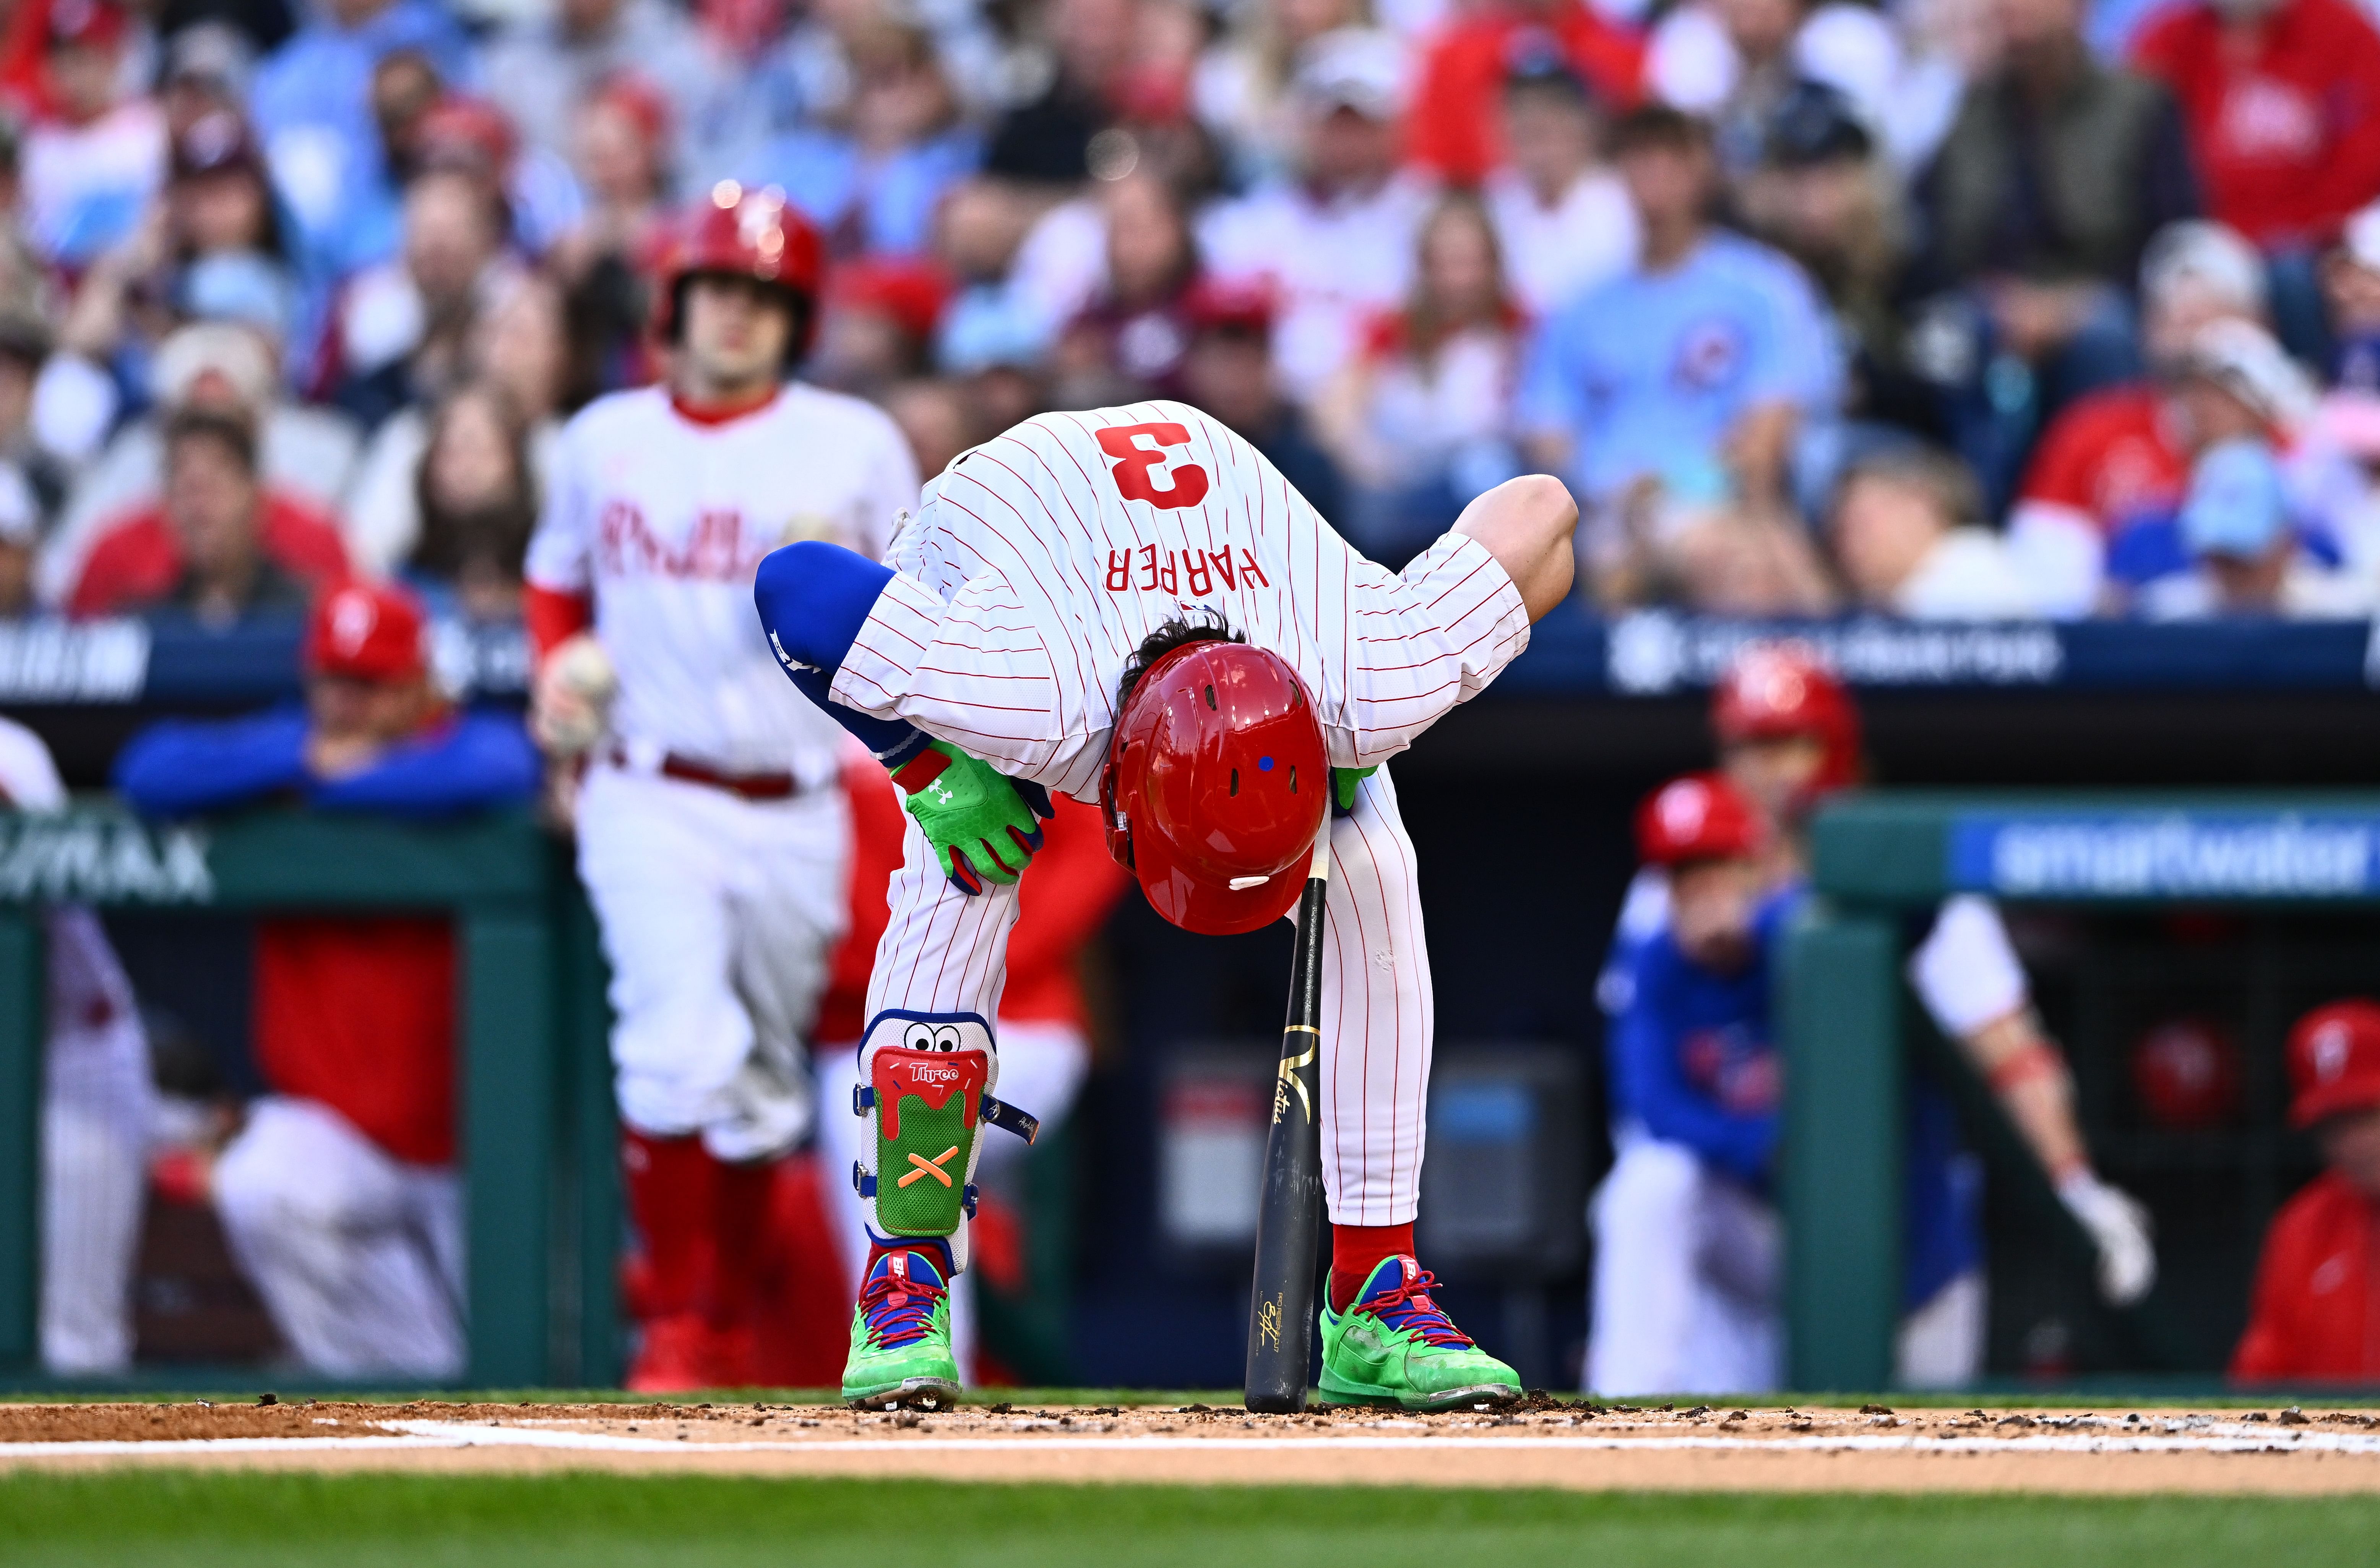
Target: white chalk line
[[450, 1435]]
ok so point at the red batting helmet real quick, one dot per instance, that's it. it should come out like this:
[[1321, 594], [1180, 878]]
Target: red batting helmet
[[2186, 1072], [1217, 785], [1699, 817], [746, 234], [1777, 690], [2334, 1062]]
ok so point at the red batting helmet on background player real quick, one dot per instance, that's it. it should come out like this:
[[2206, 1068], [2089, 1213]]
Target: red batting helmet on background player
[[1216, 786], [1699, 817], [1776, 691], [739, 232]]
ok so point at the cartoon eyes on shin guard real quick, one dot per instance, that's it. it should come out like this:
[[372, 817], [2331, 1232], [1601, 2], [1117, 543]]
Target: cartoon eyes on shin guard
[[921, 1036], [926, 1088]]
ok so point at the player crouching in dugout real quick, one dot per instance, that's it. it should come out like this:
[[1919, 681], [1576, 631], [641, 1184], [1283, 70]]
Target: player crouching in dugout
[[339, 1194], [1689, 1245], [2316, 1313]]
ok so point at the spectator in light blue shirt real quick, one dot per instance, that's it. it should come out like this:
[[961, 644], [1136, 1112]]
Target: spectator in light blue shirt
[[313, 103], [874, 183], [1689, 379]]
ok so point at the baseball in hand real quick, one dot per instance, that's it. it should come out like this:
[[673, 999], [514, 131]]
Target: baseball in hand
[[575, 688]]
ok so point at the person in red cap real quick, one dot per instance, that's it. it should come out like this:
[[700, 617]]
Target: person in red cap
[[1789, 738], [339, 1194], [713, 838], [1687, 1241], [2316, 1315]]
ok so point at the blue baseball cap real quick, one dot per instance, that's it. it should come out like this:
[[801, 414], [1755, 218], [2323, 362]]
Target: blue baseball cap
[[2235, 506]]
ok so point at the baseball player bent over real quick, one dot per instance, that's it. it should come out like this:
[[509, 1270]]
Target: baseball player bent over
[[712, 834], [1131, 607]]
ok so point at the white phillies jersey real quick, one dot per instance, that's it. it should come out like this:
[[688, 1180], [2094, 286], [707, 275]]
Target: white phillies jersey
[[663, 517], [1039, 562]]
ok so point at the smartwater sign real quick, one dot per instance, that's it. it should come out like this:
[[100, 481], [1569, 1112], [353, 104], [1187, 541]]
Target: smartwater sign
[[2204, 854]]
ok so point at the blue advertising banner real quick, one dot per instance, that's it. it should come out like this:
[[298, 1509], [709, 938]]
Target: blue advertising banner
[[2153, 854]]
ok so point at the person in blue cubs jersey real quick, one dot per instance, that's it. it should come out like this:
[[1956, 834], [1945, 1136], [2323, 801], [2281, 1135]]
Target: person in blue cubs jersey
[[1687, 1239]]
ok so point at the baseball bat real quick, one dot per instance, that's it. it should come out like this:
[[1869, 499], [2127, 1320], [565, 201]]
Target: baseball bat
[[1289, 1218]]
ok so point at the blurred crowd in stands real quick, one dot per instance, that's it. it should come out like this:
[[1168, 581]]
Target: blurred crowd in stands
[[1941, 307]]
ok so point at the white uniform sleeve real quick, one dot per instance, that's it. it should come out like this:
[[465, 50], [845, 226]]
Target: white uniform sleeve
[[975, 672], [559, 551], [28, 777], [1427, 639], [1642, 913], [1965, 971]]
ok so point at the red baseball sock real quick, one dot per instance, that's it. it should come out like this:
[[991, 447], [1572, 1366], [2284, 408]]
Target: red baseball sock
[[1356, 1250], [669, 1182], [739, 1207]]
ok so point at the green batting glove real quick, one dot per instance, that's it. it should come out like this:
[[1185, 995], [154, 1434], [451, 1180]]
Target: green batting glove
[[1344, 782], [976, 817]]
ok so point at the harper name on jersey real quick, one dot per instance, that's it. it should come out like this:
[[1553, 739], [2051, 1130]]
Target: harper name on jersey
[[1041, 560], [662, 516]]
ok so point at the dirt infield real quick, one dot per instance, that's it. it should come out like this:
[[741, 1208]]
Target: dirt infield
[[1546, 1445]]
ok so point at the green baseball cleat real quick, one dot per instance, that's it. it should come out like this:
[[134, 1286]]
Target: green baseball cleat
[[1395, 1345], [901, 1336]]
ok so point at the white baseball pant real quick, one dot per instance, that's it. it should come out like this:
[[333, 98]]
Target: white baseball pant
[[97, 1099], [944, 952], [718, 916], [1688, 1268], [357, 1255], [1687, 1263], [1041, 1069]]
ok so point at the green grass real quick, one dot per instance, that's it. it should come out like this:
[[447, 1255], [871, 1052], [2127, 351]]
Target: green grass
[[167, 1519]]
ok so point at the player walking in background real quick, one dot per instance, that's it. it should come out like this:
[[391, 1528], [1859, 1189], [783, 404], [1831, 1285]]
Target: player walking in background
[[96, 1096], [1131, 606], [1788, 736], [711, 836]]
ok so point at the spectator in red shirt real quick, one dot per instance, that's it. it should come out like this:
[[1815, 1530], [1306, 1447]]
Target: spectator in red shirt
[[219, 546], [1454, 128], [339, 1194], [2315, 1317], [2282, 100], [2124, 452]]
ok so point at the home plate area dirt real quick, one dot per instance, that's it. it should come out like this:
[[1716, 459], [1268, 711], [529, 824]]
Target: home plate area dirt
[[1544, 1443]]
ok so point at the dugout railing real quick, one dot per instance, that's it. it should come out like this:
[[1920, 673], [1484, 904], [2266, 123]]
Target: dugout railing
[[535, 1139], [1851, 1030]]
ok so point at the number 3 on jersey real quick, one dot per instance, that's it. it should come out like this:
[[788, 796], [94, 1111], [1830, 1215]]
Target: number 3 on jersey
[[1186, 484]]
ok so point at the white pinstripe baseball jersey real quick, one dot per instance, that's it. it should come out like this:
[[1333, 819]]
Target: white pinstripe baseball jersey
[[1040, 561]]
